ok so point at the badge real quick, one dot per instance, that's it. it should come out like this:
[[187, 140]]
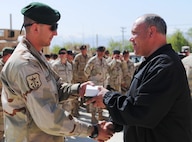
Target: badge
[[34, 81]]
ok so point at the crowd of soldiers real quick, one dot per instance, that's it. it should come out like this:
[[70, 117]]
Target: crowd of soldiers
[[111, 71]]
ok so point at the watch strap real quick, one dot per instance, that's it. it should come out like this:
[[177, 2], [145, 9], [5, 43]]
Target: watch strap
[[95, 132]]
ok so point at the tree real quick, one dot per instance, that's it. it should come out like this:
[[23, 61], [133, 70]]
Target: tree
[[178, 40], [118, 45], [55, 49]]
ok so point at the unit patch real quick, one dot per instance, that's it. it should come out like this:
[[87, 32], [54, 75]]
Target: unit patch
[[34, 81]]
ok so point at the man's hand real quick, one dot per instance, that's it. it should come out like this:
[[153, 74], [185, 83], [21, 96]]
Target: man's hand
[[98, 100], [105, 131]]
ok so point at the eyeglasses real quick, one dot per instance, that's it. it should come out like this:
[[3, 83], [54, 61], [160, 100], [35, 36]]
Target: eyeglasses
[[52, 28]]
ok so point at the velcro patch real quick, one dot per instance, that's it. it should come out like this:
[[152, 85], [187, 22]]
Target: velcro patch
[[34, 81]]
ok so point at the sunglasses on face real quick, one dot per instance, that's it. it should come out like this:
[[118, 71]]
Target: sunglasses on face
[[52, 28], [62, 53]]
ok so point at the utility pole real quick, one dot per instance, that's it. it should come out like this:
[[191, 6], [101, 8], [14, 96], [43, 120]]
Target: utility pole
[[97, 40], [123, 31]]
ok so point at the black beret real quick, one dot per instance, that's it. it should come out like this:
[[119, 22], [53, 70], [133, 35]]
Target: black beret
[[101, 48], [69, 52], [7, 50], [125, 52], [62, 49], [41, 13], [83, 47], [116, 52]]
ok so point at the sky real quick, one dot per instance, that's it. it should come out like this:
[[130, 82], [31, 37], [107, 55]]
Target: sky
[[97, 22]]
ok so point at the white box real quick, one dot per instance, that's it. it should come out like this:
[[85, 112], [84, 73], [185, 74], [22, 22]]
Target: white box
[[91, 91]]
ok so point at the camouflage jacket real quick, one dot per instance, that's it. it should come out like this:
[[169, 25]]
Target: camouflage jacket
[[30, 97], [78, 68], [96, 70], [64, 71]]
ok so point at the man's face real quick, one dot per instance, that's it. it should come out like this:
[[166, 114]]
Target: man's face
[[63, 54], [140, 38], [84, 51], [45, 34], [116, 56]]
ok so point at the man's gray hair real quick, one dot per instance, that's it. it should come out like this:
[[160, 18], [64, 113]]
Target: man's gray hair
[[157, 21]]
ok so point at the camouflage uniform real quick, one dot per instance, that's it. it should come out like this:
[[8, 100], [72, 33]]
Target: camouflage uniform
[[1, 109], [187, 62], [115, 74], [79, 63], [64, 70], [30, 97], [78, 68], [96, 70], [127, 75]]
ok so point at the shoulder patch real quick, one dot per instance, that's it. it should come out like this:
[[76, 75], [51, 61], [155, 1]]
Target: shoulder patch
[[34, 81]]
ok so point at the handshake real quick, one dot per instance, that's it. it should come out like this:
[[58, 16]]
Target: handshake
[[103, 131], [94, 94]]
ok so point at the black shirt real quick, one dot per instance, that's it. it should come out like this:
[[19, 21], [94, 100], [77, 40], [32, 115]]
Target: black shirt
[[157, 107]]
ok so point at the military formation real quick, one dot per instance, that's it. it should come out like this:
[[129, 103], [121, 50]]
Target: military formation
[[113, 71]]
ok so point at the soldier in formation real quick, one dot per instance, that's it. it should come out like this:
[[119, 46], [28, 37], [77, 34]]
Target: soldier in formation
[[5, 54]]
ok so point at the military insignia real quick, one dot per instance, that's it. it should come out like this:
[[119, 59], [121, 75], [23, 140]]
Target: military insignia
[[34, 81]]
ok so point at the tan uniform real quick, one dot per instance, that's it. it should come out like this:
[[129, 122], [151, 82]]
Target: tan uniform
[[127, 75], [187, 62], [115, 74], [1, 109], [30, 97], [78, 68], [64, 70], [79, 63], [96, 70]]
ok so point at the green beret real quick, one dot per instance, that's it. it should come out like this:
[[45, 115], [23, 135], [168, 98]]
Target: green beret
[[41, 13]]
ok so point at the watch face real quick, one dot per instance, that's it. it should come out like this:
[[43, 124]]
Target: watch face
[[95, 135]]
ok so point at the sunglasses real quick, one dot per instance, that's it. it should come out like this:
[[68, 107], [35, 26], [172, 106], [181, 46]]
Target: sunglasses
[[62, 53], [52, 28]]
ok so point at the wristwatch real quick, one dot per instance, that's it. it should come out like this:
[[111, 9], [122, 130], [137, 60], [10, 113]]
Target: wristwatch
[[95, 132]]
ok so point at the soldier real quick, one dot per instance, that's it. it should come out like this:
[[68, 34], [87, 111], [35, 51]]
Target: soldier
[[64, 69], [187, 62], [70, 56], [128, 74], [32, 91], [5, 54], [74, 102], [115, 72], [79, 63], [96, 70]]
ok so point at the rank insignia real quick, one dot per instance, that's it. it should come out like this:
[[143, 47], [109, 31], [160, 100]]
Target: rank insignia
[[34, 81]]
